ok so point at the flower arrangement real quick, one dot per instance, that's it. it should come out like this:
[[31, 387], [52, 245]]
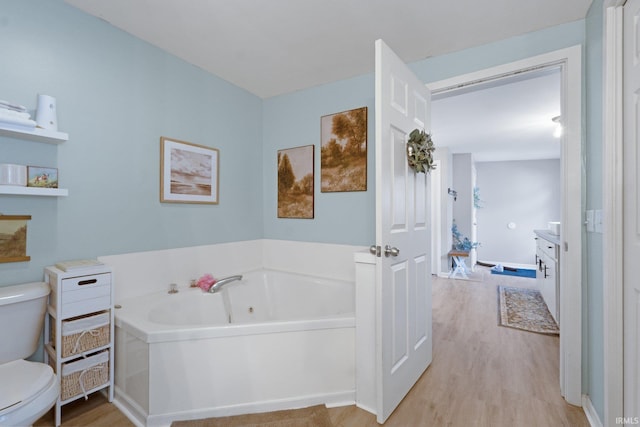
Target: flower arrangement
[[206, 282], [460, 242]]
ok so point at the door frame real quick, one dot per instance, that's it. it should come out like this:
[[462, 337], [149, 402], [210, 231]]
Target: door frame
[[435, 187], [612, 210], [569, 60]]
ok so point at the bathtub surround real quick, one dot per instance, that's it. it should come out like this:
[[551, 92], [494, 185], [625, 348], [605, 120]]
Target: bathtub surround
[[149, 350], [193, 354], [142, 273]]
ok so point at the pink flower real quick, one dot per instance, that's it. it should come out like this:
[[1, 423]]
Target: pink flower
[[206, 282]]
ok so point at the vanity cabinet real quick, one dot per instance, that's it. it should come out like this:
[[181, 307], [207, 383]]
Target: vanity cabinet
[[79, 332], [37, 135], [548, 271]]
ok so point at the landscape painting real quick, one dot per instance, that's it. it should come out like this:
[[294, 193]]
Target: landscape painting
[[189, 172], [13, 238], [295, 182], [343, 152]]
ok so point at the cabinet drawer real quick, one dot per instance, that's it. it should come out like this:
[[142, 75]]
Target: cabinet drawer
[[84, 283], [76, 308], [83, 294], [547, 248]]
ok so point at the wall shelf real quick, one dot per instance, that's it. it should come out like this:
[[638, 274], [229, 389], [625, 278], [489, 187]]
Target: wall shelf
[[36, 134], [33, 191]]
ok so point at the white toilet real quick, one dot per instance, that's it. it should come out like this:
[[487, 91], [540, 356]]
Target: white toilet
[[27, 389]]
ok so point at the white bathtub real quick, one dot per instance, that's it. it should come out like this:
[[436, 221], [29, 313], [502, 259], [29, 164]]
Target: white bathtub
[[270, 341]]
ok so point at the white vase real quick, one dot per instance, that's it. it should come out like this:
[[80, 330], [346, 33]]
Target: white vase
[[46, 116]]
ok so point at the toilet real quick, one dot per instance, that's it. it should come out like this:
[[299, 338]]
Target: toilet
[[27, 389]]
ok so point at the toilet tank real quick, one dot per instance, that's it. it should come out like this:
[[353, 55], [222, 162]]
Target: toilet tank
[[22, 309]]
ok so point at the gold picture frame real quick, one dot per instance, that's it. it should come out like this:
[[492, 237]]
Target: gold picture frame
[[188, 172], [13, 238], [296, 182]]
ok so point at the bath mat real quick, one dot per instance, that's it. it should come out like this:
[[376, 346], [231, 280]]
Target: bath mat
[[520, 272], [526, 310], [313, 416]]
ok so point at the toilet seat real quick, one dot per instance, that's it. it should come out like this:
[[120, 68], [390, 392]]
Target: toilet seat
[[27, 391]]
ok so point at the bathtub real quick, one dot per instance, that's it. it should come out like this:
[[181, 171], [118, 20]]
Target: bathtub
[[271, 341]]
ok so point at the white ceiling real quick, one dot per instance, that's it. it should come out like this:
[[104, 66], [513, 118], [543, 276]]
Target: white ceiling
[[279, 46], [276, 47], [504, 120]]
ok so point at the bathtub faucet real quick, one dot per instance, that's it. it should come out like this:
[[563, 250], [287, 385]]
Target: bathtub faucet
[[220, 283]]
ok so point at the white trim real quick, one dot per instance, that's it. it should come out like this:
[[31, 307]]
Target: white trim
[[570, 61], [590, 412], [612, 192]]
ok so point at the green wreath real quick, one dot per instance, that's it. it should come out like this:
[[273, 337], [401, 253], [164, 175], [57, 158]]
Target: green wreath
[[420, 151]]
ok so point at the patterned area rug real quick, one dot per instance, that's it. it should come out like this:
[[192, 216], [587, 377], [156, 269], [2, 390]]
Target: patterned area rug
[[313, 416], [525, 309]]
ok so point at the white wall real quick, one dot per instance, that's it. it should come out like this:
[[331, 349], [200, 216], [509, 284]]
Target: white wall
[[526, 193], [463, 183], [464, 179], [445, 159]]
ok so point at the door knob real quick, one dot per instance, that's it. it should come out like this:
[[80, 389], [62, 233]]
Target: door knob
[[389, 251], [375, 250]]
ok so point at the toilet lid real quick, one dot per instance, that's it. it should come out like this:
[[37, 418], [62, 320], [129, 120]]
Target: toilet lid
[[21, 380]]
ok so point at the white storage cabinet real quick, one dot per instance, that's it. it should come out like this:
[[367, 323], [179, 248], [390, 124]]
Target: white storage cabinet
[[79, 331], [548, 274]]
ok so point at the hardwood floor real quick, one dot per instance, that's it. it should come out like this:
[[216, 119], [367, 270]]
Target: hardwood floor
[[481, 375], [95, 412]]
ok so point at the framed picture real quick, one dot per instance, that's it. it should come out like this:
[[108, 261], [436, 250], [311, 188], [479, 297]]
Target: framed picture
[[188, 172], [295, 182], [343, 151], [42, 177], [13, 238]]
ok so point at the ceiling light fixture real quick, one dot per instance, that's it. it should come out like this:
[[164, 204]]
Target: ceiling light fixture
[[557, 132]]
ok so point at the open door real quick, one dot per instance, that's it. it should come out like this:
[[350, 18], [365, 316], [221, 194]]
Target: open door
[[403, 273]]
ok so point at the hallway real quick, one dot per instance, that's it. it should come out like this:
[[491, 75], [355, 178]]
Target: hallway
[[482, 374]]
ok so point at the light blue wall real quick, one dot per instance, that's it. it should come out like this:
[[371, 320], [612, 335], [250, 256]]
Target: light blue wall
[[294, 119], [116, 96], [594, 323]]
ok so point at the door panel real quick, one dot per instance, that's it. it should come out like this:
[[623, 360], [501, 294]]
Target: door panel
[[403, 280]]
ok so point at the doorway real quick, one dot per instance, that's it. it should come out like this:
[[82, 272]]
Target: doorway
[[569, 62]]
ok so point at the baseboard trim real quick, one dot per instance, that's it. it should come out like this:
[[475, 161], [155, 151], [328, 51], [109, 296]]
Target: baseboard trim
[[590, 412]]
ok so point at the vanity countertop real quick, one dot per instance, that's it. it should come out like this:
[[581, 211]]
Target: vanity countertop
[[546, 235]]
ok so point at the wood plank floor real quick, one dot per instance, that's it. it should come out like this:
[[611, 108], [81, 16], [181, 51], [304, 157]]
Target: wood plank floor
[[481, 375]]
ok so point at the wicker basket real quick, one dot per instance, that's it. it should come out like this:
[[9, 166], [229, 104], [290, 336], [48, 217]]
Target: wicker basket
[[83, 375], [84, 333]]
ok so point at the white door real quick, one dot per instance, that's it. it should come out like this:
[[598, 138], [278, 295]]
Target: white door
[[403, 280], [631, 226]]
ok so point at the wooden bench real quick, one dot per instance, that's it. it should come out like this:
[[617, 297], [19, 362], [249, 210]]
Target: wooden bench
[[458, 266]]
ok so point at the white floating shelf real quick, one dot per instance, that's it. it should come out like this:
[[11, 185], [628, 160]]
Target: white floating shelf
[[33, 191], [36, 134]]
